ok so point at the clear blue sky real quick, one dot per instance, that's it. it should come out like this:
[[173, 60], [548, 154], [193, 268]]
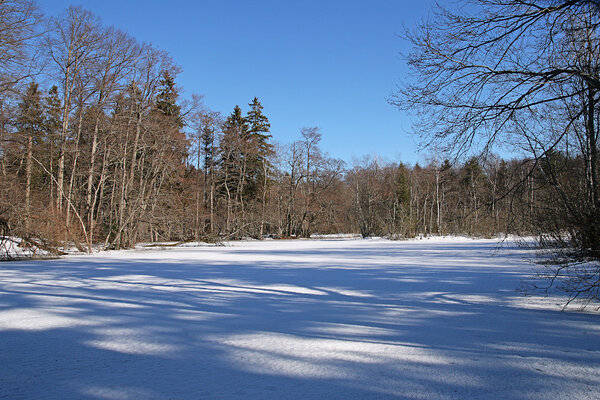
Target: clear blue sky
[[325, 63]]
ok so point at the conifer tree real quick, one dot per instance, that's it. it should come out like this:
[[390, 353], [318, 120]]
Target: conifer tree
[[232, 162], [259, 165], [259, 126], [52, 110], [233, 149], [30, 120], [166, 100], [259, 132], [30, 123], [236, 123], [208, 146]]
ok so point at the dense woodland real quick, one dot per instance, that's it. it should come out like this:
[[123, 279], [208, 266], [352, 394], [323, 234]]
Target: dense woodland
[[97, 147]]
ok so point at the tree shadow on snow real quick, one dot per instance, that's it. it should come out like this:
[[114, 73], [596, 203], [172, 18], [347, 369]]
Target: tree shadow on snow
[[338, 321]]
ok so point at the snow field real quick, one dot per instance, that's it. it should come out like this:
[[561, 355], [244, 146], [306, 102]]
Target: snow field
[[304, 319]]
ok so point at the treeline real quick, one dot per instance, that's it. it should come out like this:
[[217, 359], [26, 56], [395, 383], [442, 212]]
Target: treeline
[[97, 147], [526, 75]]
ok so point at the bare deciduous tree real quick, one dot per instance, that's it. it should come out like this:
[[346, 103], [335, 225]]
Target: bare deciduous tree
[[19, 26], [72, 43], [518, 73]]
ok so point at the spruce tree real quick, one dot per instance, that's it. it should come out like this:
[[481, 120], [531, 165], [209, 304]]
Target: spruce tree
[[231, 151], [259, 132], [30, 125], [236, 123], [166, 100], [52, 106], [235, 143], [258, 125], [30, 120], [52, 127]]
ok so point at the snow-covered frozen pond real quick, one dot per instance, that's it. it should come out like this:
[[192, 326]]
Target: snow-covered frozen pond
[[332, 319]]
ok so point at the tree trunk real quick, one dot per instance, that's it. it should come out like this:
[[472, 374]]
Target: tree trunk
[[594, 223], [28, 167]]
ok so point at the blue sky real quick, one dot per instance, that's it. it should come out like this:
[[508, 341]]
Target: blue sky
[[326, 63]]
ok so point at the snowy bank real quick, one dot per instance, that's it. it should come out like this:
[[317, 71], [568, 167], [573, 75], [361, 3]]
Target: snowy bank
[[13, 248]]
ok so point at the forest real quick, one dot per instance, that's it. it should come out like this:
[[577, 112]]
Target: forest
[[154, 248], [98, 148]]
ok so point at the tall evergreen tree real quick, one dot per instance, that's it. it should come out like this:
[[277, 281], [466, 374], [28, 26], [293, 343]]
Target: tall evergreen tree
[[208, 146], [52, 105], [232, 150], [259, 165], [30, 120], [259, 134], [166, 100], [53, 124], [30, 125], [258, 125], [236, 123]]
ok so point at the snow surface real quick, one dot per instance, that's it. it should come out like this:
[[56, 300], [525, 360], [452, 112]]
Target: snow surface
[[13, 248], [304, 319]]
